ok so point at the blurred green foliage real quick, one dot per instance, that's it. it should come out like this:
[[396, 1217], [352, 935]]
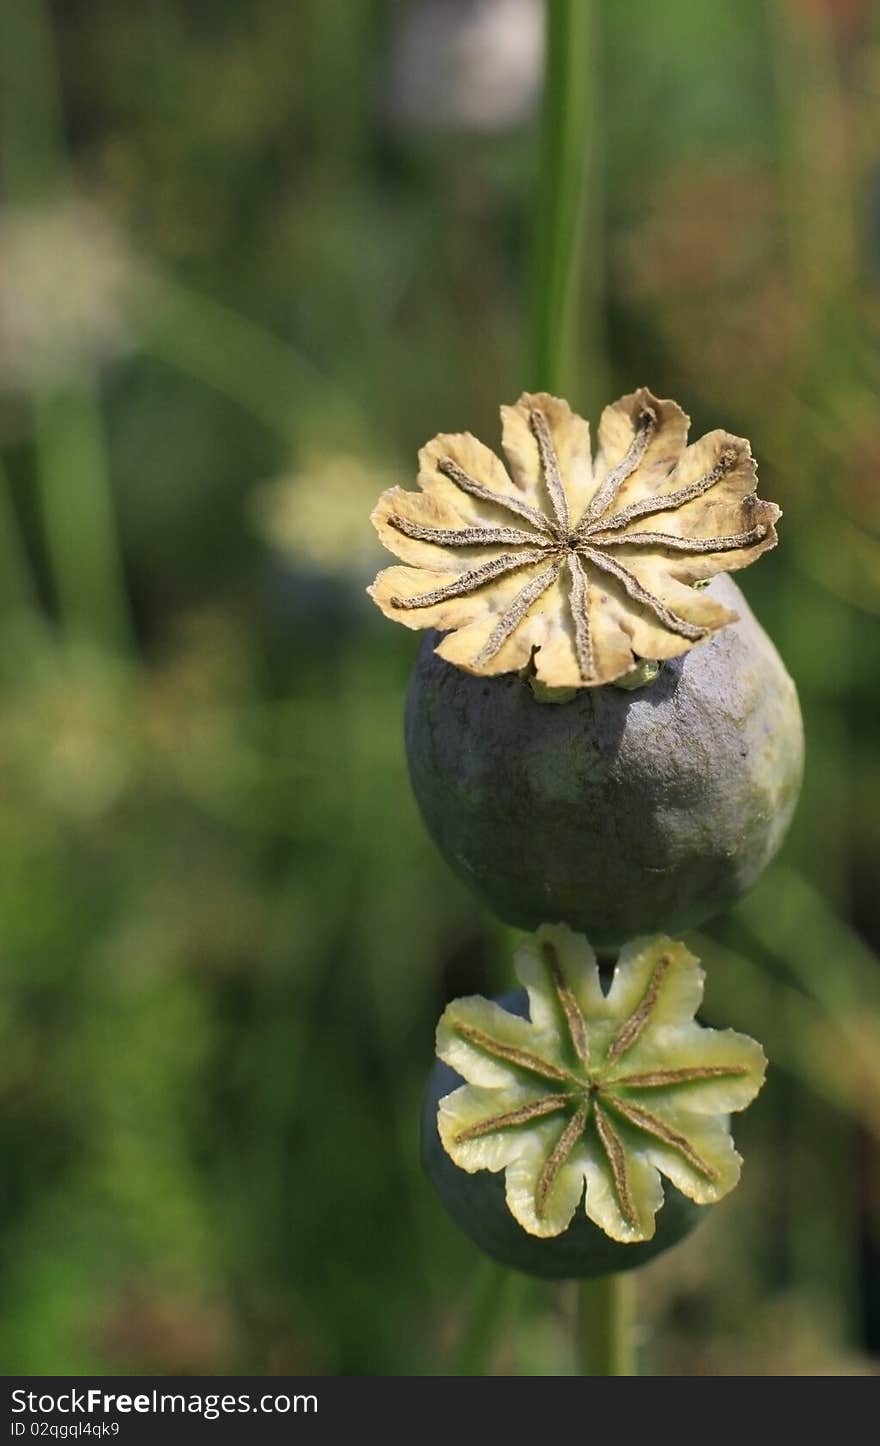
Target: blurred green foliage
[[239, 264]]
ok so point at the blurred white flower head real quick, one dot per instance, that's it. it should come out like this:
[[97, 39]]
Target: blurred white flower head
[[65, 274], [315, 516], [68, 744], [467, 65]]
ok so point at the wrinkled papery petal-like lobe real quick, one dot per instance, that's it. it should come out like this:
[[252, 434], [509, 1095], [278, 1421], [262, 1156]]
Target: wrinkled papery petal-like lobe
[[598, 1094], [544, 624], [578, 966], [479, 462], [575, 568], [689, 1048], [479, 611], [603, 1203], [470, 1107], [663, 964], [617, 430], [521, 1184], [571, 438], [710, 1139], [466, 1021]]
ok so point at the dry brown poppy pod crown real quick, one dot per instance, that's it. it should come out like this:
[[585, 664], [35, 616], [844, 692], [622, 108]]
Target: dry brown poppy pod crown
[[580, 567]]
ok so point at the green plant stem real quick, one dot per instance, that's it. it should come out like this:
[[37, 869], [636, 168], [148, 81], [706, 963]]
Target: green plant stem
[[17, 594], [798, 923], [494, 1292], [72, 474], [78, 514], [604, 1336], [565, 152], [30, 108], [565, 329]]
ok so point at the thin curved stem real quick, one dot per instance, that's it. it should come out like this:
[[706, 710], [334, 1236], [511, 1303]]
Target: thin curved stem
[[604, 1331]]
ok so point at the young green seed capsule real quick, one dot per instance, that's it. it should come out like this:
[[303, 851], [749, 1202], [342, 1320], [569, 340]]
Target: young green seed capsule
[[617, 812], [572, 1130]]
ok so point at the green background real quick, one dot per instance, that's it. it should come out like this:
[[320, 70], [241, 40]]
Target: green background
[[251, 257]]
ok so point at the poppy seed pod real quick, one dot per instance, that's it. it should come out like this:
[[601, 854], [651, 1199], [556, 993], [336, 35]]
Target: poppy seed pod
[[618, 812], [575, 1127], [547, 578]]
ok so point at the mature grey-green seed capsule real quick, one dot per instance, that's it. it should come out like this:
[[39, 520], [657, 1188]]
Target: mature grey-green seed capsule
[[618, 812]]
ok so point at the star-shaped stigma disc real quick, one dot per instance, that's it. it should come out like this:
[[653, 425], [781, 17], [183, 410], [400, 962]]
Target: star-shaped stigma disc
[[597, 1095]]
